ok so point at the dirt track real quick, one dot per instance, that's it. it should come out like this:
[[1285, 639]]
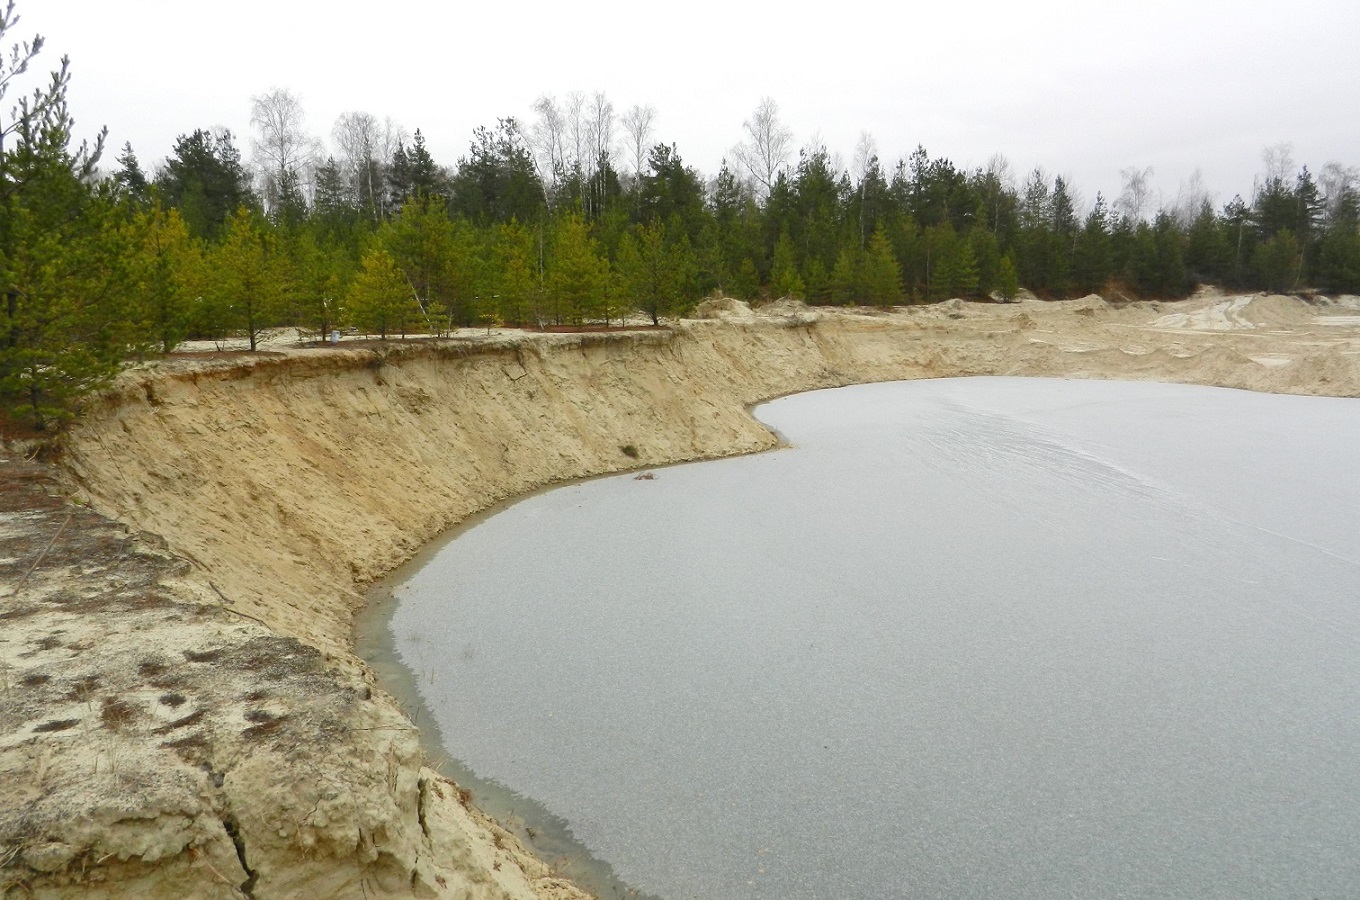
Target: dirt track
[[181, 712]]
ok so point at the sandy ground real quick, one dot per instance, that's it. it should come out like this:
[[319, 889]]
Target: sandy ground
[[181, 710]]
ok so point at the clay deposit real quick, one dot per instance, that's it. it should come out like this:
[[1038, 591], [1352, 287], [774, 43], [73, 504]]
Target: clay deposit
[[181, 710]]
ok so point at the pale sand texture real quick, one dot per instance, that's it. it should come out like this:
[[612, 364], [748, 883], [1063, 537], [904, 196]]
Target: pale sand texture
[[224, 739]]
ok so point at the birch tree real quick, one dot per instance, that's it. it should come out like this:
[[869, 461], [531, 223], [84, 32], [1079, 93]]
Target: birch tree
[[639, 124], [765, 152], [284, 153]]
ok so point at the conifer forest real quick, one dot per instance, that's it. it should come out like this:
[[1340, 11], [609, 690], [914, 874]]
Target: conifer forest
[[572, 214]]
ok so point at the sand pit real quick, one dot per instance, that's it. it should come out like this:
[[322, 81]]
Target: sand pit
[[271, 488]]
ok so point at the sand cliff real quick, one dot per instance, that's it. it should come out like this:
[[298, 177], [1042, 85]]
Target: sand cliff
[[182, 712]]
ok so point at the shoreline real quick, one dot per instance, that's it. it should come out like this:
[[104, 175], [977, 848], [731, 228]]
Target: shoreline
[[287, 485]]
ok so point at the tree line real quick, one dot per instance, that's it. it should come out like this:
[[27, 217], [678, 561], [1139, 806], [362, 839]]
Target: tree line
[[577, 215]]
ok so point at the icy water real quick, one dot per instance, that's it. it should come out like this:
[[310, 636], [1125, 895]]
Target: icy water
[[967, 638]]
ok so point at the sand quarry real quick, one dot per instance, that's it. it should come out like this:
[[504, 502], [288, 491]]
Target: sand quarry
[[181, 710]]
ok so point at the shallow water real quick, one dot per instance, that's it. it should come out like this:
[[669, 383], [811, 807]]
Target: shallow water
[[968, 638]]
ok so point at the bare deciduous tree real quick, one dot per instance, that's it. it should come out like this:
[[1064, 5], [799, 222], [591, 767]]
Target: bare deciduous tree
[[639, 124], [601, 128], [547, 137], [866, 152], [1191, 198], [765, 153], [578, 137], [1279, 162], [1337, 182], [285, 154], [864, 162], [1136, 198], [365, 147], [998, 182]]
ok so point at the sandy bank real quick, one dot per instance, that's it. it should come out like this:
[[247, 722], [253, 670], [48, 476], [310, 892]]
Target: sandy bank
[[220, 736]]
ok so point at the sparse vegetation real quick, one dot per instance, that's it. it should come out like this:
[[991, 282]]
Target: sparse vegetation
[[116, 713]]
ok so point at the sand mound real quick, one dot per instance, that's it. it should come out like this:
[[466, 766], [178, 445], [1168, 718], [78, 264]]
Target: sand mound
[[1277, 310], [785, 306], [1086, 306], [722, 308]]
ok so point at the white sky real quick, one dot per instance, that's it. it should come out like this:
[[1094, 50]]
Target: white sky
[[1082, 87]]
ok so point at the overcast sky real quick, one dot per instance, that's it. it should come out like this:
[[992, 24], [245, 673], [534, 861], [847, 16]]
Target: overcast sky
[[1084, 88]]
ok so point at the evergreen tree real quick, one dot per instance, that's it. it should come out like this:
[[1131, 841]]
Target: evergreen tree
[[319, 273], [1093, 259], [167, 271], [130, 177], [847, 278], [746, 283], [816, 281], [205, 180], [247, 289], [882, 275], [1209, 251], [513, 282], [784, 278], [957, 273], [672, 191], [1339, 253], [1007, 279], [66, 316], [424, 177], [577, 276], [1277, 261], [380, 300], [497, 181], [987, 252], [656, 269], [438, 259]]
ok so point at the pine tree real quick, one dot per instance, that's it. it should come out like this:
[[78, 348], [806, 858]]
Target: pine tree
[[1007, 279], [319, 272], [1093, 261], [247, 288], [205, 180], [437, 257], [1277, 261], [784, 278], [380, 300], [577, 276], [513, 284], [746, 283], [167, 270], [66, 315], [131, 178], [656, 269]]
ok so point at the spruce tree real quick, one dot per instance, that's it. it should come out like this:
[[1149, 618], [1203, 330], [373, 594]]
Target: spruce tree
[[882, 276]]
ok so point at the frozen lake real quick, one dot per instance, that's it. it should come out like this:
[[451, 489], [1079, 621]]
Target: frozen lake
[[967, 638]]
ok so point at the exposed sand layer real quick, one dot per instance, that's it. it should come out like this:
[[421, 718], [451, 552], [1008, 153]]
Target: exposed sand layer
[[183, 715]]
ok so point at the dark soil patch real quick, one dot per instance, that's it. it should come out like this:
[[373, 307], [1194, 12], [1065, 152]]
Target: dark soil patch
[[57, 725]]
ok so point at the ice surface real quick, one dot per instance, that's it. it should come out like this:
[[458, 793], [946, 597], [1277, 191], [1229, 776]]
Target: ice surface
[[970, 638]]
